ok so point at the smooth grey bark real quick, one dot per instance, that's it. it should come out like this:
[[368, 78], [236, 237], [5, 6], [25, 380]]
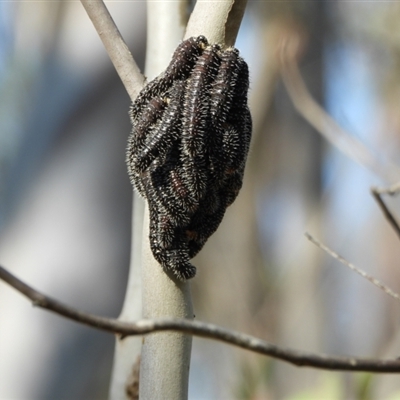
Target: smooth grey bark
[[127, 350], [165, 357], [116, 47]]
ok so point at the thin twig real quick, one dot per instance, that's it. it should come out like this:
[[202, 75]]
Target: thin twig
[[323, 122], [359, 271], [377, 193], [197, 328], [116, 47]]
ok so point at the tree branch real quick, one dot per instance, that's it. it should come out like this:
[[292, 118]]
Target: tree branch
[[165, 357], [163, 17], [218, 21], [201, 329], [377, 193], [359, 271], [133, 82], [116, 47], [312, 112]]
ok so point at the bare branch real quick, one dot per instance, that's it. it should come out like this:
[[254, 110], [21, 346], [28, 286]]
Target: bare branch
[[359, 271], [377, 193], [116, 47], [197, 328], [219, 21], [163, 17], [323, 122], [165, 357]]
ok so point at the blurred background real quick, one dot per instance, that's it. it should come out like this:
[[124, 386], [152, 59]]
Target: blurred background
[[65, 204]]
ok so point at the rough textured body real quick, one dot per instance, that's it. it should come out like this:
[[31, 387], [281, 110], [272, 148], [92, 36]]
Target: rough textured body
[[191, 130]]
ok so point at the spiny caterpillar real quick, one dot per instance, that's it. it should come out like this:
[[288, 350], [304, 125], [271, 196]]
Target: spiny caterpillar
[[191, 130]]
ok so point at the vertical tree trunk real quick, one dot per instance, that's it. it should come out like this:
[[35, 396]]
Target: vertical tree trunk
[[165, 357]]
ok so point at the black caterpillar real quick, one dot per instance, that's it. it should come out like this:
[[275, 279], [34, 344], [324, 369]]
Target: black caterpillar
[[191, 130]]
